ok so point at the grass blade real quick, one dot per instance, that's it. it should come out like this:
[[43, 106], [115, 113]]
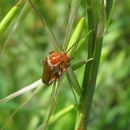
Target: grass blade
[[48, 30], [19, 19], [21, 91], [22, 105], [91, 68], [9, 17], [75, 35], [52, 102], [73, 81], [109, 10], [80, 64], [72, 16], [109, 4], [61, 113]]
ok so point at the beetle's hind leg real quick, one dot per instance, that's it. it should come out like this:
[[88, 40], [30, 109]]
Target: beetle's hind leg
[[42, 61]]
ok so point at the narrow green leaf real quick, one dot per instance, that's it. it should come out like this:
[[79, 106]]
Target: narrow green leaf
[[80, 64], [21, 91], [75, 35], [92, 77], [82, 40], [73, 81], [48, 29], [61, 113], [91, 68], [52, 102], [9, 17], [72, 16], [109, 4], [58, 115], [21, 106], [19, 19]]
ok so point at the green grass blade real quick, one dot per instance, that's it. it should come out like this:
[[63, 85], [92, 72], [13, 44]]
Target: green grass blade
[[72, 16], [88, 97], [80, 64], [22, 105], [82, 40], [19, 19], [21, 91], [75, 36], [51, 106], [97, 54], [73, 81], [48, 29], [110, 4], [9, 17], [61, 113], [91, 68], [52, 102]]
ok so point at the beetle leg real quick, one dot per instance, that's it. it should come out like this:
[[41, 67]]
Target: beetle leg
[[60, 72], [52, 80], [71, 58], [63, 50], [64, 69], [51, 52], [42, 61], [68, 64], [57, 64]]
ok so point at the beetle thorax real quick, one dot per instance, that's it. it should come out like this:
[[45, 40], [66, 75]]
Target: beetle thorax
[[58, 58]]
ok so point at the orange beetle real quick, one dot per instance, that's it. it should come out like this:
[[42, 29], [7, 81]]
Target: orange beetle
[[54, 66]]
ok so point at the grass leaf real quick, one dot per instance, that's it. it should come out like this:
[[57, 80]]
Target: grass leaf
[[80, 64], [9, 17], [48, 29], [22, 105], [72, 16], [75, 36], [19, 19], [73, 81], [61, 113], [52, 102], [21, 91]]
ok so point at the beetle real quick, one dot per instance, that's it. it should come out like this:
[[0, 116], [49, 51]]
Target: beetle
[[54, 66]]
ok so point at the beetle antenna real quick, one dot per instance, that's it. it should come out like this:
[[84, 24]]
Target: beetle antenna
[[73, 45], [78, 41], [48, 29]]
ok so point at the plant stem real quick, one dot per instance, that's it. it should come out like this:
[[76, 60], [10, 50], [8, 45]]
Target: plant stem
[[61, 113], [94, 51]]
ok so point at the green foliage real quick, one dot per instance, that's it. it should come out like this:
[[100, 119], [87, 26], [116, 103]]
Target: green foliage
[[9, 17], [20, 65]]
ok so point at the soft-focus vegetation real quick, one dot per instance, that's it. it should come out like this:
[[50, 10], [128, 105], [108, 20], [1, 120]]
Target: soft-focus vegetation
[[20, 66]]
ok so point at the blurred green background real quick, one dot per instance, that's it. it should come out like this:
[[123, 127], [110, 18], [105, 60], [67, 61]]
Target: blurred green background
[[20, 66]]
